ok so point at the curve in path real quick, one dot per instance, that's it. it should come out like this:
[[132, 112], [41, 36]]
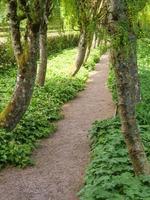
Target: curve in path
[[61, 159]]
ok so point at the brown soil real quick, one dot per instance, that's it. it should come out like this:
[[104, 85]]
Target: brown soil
[[61, 160]]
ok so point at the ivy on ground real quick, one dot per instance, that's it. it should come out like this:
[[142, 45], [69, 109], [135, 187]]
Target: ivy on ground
[[16, 147], [110, 174]]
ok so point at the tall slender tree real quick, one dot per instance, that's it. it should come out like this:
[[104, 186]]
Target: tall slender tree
[[47, 10], [83, 8], [89, 13], [26, 57], [124, 59], [98, 13]]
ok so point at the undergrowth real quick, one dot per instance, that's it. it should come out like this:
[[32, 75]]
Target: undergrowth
[[110, 174], [16, 146]]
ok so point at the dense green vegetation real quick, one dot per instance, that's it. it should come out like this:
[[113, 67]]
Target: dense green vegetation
[[45, 108], [55, 44], [110, 174]]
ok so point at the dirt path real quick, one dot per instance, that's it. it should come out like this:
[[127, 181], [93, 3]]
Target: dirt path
[[61, 159]]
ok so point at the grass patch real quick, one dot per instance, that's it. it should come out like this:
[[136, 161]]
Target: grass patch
[[110, 174], [16, 146]]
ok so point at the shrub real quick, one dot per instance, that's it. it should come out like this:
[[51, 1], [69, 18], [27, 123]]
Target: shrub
[[59, 42], [55, 44]]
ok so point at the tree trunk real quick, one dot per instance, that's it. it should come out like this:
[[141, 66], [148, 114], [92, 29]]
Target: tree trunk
[[43, 56], [27, 67], [94, 43], [81, 52], [48, 7], [134, 66], [20, 100], [89, 46], [127, 112], [98, 42], [88, 51], [123, 57]]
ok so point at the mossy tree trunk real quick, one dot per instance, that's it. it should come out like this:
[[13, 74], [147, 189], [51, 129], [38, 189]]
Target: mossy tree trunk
[[26, 57], [124, 60], [133, 65], [43, 43]]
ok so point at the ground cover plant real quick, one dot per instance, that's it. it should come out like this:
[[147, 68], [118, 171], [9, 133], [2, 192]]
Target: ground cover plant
[[110, 174], [45, 108]]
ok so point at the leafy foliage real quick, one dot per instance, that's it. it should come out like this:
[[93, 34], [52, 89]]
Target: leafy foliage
[[144, 20], [3, 12], [16, 147], [6, 55], [60, 42], [110, 174]]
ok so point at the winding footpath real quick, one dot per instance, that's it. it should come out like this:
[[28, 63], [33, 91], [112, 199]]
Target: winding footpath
[[61, 159]]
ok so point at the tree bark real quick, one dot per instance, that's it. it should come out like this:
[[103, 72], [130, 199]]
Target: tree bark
[[98, 42], [43, 56], [81, 52], [27, 67], [94, 41], [89, 46], [134, 66], [41, 76], [87, 54], [123, 57]]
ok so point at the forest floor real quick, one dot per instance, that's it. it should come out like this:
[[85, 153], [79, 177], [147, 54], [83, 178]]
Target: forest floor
[[61, 159]]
